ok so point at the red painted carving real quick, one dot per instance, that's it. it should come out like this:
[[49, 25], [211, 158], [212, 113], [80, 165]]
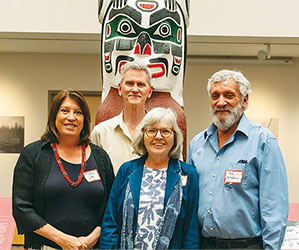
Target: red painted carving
[[178, 60], [179, 36], [137, 49], [159, 73], [147, 50], [107, 57], [147, 6], [108, 30], [122, 63]]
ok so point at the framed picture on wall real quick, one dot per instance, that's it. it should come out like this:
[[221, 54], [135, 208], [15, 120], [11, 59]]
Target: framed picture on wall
[[11, 134]]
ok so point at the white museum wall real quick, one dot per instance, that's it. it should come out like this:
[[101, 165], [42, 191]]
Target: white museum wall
[[24, 83], [274, 95], [208, 17], [26, 78], [244, 18], [61, 16]]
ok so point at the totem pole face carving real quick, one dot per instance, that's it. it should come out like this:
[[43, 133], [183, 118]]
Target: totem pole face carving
[[150, 31]]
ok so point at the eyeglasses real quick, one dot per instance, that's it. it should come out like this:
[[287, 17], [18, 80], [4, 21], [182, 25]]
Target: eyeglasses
[[165, 132]]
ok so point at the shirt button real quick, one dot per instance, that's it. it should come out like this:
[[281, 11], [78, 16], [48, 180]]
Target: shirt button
[[210, 193], [218, 158], [211, 228], [209, 211], [214, 175]]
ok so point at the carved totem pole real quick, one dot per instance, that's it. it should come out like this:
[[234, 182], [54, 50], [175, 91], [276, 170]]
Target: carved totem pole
[[152, 32]]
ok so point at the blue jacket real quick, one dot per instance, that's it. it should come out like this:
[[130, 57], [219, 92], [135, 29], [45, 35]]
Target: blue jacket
[[186, 234]]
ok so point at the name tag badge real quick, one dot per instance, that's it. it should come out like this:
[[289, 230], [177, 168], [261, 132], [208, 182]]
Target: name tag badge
[[92, 175], [233, 176], [184, 179]]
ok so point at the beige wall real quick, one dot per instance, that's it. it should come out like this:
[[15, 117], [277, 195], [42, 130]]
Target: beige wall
[[26, 78], [66, 16], [244, 18], [274, 94], [24, 83], [209, 17]]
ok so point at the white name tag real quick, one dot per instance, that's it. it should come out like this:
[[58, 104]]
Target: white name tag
[[233, 176], [184, 179], [92, 175]]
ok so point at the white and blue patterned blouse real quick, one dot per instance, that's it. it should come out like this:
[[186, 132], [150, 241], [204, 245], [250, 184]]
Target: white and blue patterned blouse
[[151, 205]]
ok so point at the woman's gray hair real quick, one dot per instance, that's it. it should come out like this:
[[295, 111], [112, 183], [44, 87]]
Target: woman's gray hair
[[157, 115], [136, 66], [223, 75]]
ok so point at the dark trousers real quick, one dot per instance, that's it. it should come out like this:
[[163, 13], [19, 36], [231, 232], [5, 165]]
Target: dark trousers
[[217, 243]]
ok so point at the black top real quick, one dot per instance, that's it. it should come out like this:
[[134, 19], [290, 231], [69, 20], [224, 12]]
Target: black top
[[73, 210], [30, 176]]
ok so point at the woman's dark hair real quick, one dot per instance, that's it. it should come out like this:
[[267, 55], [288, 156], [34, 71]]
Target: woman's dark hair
[[51, 132]]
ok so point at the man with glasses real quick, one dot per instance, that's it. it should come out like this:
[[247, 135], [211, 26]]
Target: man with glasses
[[116, 134], [243, 199]]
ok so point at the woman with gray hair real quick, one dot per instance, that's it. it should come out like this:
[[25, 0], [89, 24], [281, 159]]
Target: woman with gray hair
[[154, 199]]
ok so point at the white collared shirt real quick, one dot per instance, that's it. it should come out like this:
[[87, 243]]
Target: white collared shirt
[[113, 136]]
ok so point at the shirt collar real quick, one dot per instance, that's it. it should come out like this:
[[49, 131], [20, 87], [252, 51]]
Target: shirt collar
[[243, 127], [118, 120], [211, 130]]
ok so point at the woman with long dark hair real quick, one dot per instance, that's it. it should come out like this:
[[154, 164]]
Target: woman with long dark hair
[[62, 182]]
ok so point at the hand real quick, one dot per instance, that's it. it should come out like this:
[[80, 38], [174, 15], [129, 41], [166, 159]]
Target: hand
[[91, 239], [71, 242], [86, 241], [66, 241]]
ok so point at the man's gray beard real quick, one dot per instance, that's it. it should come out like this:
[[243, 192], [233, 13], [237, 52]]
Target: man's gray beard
[[231, 118]]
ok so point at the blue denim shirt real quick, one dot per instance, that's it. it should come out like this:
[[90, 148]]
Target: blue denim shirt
[[258, 206]]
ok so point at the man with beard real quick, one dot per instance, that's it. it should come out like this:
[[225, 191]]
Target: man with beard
[[243, 200]]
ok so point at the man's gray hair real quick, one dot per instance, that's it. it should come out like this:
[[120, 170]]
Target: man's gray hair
[[158, 115], [136, 66], [223, 75]]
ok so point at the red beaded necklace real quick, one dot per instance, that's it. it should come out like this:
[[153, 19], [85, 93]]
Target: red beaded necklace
[[62, 169]]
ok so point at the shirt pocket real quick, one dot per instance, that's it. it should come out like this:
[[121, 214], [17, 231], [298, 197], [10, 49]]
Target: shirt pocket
[[245, 183]]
